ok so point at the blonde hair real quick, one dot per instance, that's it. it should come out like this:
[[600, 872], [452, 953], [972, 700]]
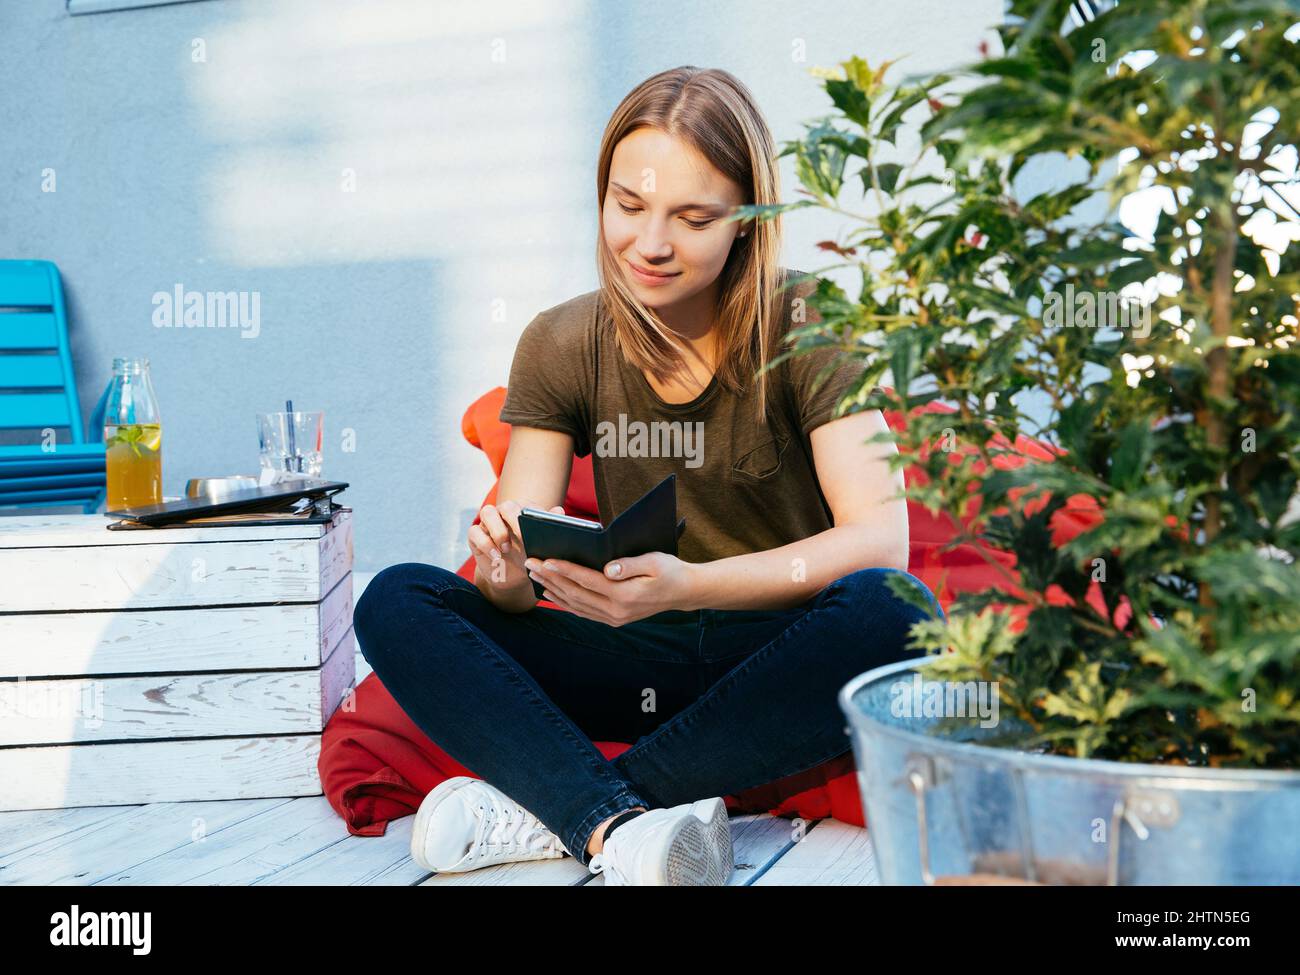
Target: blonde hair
[[712, 111]]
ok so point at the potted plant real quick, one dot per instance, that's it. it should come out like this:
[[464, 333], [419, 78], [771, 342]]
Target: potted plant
[[1143, 655]]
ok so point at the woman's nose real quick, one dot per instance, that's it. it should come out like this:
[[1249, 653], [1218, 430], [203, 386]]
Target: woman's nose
[[653, 242]]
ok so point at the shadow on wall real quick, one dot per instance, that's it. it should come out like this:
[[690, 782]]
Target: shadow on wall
[[355, 149]]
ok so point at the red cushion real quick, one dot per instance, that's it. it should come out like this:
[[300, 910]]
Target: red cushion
[[376, 765]]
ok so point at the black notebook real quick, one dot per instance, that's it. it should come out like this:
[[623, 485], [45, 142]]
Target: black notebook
[[649, 525]]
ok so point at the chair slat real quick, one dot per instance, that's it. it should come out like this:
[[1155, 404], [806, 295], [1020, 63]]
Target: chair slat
[[28, 330], [50, 464], [37, 497], [30, 371], [19, 411], [25, 283], [52, 482], [63, 453]]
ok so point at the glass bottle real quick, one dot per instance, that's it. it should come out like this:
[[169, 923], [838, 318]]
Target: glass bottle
[[132, 437]]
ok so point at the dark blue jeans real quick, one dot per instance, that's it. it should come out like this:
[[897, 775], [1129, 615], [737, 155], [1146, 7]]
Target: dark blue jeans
[[714, 701]]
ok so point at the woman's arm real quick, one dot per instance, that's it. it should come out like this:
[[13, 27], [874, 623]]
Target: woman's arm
[[535, 474], [870, 527]]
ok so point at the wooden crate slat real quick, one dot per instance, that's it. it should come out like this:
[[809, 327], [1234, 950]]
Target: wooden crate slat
[[157, 576], [334, 555], [87, 710], [170, 640], [54, 776], [76, 531], [337, 678]]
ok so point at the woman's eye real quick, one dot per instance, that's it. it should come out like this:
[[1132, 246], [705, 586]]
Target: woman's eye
[[695, 224]]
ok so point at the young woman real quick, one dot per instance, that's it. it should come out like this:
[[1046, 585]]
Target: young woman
[[721, 665]]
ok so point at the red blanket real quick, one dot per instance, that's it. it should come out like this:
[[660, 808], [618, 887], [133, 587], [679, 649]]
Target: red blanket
[[376, 765]]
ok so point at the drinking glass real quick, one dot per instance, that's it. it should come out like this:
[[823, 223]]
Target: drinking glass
[[291, 441]]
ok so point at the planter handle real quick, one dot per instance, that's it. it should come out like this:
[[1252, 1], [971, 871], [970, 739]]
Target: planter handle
[[921, 774], [1139, 810]]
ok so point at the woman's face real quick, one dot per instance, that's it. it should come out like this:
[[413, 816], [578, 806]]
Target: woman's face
[[663, 213]]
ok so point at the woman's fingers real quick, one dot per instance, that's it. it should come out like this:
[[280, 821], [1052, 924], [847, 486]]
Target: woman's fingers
[[490, 519], [481, 542], [573, 593], [509, 512]]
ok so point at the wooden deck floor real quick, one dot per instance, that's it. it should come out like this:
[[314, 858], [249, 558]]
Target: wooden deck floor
[[303, 841]]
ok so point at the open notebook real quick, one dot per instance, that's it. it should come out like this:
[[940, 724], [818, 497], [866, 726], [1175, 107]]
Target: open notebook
[[649, 524]]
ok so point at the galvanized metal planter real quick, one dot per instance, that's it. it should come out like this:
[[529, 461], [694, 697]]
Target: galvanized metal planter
[[943, 808]]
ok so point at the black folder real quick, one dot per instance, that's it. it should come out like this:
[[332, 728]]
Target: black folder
[[287, 497], [649, 525]]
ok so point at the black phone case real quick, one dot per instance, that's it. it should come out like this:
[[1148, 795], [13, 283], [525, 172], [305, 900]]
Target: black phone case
[[648, 525]]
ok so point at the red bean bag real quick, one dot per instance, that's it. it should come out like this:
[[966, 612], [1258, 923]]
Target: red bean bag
[[376, 765]]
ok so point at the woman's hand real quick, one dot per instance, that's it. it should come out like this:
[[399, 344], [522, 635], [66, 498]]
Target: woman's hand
[[629, 589], [498, 547]]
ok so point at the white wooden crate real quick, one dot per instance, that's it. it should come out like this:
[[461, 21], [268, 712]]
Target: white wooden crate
[[168, 665]]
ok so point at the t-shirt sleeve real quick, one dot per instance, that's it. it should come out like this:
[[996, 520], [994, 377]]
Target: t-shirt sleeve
[[545, 388], [817, 405], [832, 371]]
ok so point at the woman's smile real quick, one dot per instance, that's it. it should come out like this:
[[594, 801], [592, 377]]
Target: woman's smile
[[650, 277]]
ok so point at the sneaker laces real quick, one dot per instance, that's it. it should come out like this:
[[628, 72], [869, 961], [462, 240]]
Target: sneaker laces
[[601, 863], [512, 829]]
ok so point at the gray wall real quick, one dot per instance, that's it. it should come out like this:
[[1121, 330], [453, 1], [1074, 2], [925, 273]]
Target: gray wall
[[472, 131]]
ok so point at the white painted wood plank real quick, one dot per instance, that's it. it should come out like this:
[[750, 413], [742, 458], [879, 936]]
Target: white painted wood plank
[[245, 852], [137, 834], [83, 710], [831, 854], [26, 828], [65, 530], [367, 861], [183, 573], [337, 679], [758, 842], [298, 635], [334, 617], [334, 554], [56, 776]]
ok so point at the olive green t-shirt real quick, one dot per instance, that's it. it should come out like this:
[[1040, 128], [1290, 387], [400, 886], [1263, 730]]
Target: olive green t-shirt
[[742, 486]]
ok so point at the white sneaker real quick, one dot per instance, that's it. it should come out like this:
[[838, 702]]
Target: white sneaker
[[464, 824], [685, 846]]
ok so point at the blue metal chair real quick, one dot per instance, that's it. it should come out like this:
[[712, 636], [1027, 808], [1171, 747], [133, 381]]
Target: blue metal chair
[[38, 392]]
